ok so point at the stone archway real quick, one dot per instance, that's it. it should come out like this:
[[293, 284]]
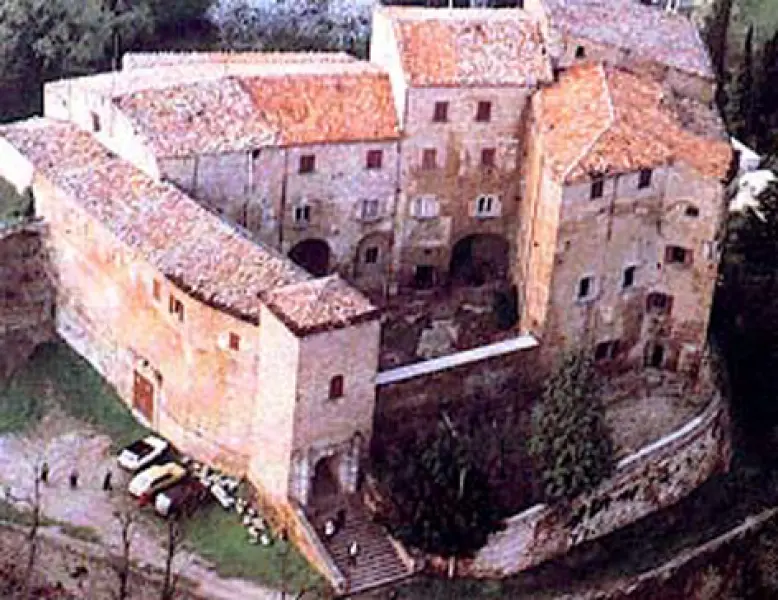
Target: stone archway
[[479, 258], [325, 483], [313, 255]]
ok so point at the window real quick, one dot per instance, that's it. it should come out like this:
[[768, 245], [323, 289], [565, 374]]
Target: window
[[655, 355], [370, 209], [644, 179], [336, 387], [255, 154], [429, 159], [302, 214], [375, 159], [580, 52], [606, 350], [692, 211], [586, 287], [488, 157], [424, 277], [598, 187], [628, 277], [487, 205], [441, 112], [307, 163], [483, 113], [371, 255], [176, 308], [156, 290], [425, 207], [234, 341], [658, 303], [96, 122], [678, 255]]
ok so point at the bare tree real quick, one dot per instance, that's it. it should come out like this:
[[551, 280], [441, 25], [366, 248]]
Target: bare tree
[[173, 547], [121, 564]]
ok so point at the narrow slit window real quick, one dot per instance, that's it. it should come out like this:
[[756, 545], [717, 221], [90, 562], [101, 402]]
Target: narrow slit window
[[336, 387]]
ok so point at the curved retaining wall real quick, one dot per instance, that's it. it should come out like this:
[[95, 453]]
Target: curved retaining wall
[[655, 477]]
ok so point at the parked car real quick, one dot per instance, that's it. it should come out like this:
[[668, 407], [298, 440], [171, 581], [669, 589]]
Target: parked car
[[182, 498], [155, 479], [142, 453]]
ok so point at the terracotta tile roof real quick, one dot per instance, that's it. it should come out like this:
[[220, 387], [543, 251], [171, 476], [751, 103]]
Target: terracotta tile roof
[[192, 247], [645, 31], [319, 305], [469, 47], [346, 103], [598, 119], [208, 117], [146, 60]]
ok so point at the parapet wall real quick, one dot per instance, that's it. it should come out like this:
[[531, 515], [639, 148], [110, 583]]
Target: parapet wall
[[653, 478], [26, 294]]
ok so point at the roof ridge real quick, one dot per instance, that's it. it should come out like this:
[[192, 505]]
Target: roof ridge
[[611, 122]]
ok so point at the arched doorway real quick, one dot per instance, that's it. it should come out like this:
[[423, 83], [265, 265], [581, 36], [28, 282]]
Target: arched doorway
[[373, 255], [312, 255], [325, 483], [479, 258]]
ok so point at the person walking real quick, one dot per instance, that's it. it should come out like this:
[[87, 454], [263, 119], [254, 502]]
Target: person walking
[[107, 486], [73, 479], [44, 472], [353, 552]]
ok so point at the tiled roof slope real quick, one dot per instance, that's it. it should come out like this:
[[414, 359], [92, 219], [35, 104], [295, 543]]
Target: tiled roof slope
[[313, 306], [146, 60], [469, 47], [647, 33], [193, 248], [598, 119]]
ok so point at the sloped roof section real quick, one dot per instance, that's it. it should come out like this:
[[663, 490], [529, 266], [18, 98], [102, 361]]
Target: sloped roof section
[[644, 31], [472, 47], [319, 305], [601, 120], [146, 60]]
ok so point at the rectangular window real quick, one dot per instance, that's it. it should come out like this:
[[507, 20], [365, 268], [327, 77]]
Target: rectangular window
[[156, 290], [628, 278], [425, 207], [429, 159], [176, 308], [677, 255], [487, 205], [234, 341], [371, 255], [307, 163], [658, 303], [375, 159], [598, 187], [483, 113], [370, 209], [336, 387], [440, 115], [302, 214], [644, 179], [488, 157], [586, 288], [606, 350], [96, 127]]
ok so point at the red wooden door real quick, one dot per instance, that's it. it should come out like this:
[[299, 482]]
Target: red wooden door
[[143, 397]]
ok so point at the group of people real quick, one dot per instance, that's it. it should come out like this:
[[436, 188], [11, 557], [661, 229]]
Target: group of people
[[332, 526], [73, 477]]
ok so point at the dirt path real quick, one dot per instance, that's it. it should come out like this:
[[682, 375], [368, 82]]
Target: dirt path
[[66, 443]]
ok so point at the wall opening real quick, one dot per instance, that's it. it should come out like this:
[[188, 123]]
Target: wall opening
[[478, 259], [312, 255]]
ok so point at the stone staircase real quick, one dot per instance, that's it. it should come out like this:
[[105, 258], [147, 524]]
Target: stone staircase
[[378, 563]]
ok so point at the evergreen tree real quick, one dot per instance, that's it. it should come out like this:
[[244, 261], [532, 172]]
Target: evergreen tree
[[571, 442], [767, 95], [743, 121]]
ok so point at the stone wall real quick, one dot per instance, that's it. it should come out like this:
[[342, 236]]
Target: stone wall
[[655, 477], [26, 294]]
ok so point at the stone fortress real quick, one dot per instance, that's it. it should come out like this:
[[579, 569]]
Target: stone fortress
[[223, 229]]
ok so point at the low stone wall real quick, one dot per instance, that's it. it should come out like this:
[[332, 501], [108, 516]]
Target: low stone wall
[[653, 478], [26, 294]]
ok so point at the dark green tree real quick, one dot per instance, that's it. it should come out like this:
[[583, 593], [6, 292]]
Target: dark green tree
[[766, 95], [571, 442], [441, 494], [715, 33], [744, 118]]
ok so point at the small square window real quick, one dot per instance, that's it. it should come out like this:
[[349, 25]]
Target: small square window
[[488, 156], [628, 279], [336, 387], [374, 159], [606, 350], [307, 163], [483, 113], [487, 205], [580, 52], [255, 154], [585, 287], [234, 341], [598, 188], [429, 159], [692, 211], [156, 289], [302, 214], [678, 255], [176, 308], [658, 303], [644, 180], [425, 207], [371, 255], [441, 112], [370, 209]]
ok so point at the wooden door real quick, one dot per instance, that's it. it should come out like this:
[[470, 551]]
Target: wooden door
[[143, 397]]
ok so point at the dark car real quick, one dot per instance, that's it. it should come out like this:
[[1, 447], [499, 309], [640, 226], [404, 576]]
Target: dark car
[[183, 498]]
